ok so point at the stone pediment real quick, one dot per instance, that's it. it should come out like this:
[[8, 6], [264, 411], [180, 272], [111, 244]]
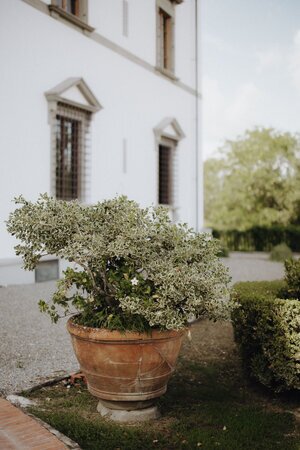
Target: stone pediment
[[74, 92], [170, 128]]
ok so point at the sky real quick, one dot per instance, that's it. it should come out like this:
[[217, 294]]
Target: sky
[[250, 68]]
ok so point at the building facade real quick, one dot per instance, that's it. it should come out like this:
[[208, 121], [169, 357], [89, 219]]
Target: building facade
[[98, 98]]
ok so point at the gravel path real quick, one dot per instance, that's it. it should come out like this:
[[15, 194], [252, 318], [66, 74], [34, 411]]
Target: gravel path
[[254, 266], [32, 349]]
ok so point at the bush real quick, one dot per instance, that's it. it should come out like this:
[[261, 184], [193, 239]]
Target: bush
[[292, 278], [223, 251], [281, 252], [135, 269], [267, 331]]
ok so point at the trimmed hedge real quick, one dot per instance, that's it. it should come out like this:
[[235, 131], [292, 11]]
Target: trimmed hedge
[[260, 238], [267, 331], [292, 278]]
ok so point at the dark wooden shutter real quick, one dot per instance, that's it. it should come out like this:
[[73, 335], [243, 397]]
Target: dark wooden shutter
[[67, 158], [165, 175], [166, 39]]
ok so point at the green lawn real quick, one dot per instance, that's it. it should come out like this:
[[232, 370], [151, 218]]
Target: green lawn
[[209, 404]]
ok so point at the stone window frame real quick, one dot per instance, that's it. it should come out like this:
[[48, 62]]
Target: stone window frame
[[166, 7], [165, 138], [59, 105], [79, 170], [80, 20], [169, 144]]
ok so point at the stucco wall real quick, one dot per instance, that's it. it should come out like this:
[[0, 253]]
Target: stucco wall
[[106, 16], [36, 53]]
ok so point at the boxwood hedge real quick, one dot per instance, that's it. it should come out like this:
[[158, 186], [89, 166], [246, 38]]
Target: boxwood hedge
[[267, 331]]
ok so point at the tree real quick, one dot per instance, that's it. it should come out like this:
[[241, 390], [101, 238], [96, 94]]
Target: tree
[[255, 180]]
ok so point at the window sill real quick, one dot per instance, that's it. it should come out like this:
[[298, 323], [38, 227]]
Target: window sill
[[167, 73], [55, 10]]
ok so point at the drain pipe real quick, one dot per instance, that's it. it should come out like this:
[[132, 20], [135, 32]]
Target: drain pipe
[[197, 169]]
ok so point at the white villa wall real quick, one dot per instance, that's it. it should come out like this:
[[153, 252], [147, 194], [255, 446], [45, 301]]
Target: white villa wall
[[106, 16], [37, 52]]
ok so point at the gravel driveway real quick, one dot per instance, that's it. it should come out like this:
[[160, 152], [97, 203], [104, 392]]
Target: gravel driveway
[[254, 266], [32, 349]]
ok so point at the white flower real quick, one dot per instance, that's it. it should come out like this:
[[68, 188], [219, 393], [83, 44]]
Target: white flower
[[134, 281], [143, 273]]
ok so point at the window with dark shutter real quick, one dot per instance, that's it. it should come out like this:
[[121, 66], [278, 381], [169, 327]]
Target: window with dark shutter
[[70, 157], [73, 11], [166, 39], [71, 152], [165, 175], [68, 150], [168, 134]]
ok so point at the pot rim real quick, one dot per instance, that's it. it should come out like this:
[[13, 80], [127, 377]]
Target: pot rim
[[106, 335]]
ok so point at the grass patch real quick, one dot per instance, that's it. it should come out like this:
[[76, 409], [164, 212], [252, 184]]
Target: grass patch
[[208, 405]]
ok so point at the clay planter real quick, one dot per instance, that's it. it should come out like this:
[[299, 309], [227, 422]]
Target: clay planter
[[125, 367]]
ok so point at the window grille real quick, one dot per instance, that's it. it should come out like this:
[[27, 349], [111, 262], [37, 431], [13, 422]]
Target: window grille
[[71, 155], [165, 188], [68, 138], [168, 133]]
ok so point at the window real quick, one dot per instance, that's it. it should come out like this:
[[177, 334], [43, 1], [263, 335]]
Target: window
[[68, 152], [71, 106], [71, 152], [168, 134], [165, 188], [165, 28], [74, 11], [166, 39]]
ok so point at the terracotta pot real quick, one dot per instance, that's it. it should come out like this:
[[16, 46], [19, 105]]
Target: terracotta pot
[[125, 367]]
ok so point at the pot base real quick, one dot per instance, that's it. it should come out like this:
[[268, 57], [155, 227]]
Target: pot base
[[125, 416], [124, 397], [127, 406]]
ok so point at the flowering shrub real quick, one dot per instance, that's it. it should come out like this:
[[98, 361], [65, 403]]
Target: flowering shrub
[[134, 269]]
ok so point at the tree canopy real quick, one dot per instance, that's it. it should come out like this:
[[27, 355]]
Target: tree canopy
[[254, 181]]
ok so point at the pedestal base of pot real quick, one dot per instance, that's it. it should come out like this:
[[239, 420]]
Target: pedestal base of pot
[[133, 413]]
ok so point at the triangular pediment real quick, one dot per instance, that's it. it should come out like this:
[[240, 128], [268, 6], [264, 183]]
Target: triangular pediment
[[74, 91], [170, 131], [170, 128], [74, 94]]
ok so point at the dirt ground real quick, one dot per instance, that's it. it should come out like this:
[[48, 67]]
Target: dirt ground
[[210, 341]]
